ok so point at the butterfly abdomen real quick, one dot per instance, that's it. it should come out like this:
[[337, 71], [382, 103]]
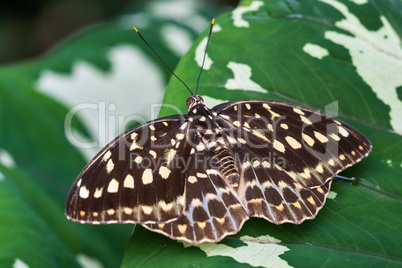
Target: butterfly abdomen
[[226, 165]]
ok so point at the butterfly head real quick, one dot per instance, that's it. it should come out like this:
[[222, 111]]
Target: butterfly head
[[194, 100]]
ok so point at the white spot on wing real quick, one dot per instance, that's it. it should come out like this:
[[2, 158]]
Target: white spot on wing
[[308, 139], [147, 209], [169, 156], [319, 168], [153, 153], [109, 166], [164, 172], [201, 175], [113, 186], [242, 78], [98, 192], [256, 163], [84, 193], [129, 182], [225, 116], [182, 127], [128, 210], [200, 147], [147, 176], [210, 196], [166, 207], [246, 165], [180, 136], [266, 164], [138, 159], [335, 137], [260, 134], [134, 145], [212, 171], [133, 135], [241, 140], [196, 202], [279, 146], [320, 137], [107, 155], [297, 110], [343, 131], [305, 120], [231, 140], [293, 142], [192, 179]]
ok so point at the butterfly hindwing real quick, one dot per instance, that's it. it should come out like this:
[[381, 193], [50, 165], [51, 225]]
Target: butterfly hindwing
[[271, 193], [212, 209]]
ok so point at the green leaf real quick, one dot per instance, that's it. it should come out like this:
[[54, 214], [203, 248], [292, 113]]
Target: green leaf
[[341, 55]]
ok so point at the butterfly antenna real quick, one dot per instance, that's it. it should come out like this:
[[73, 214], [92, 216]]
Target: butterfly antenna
[[205, 53], [161, 59], [345, 178]]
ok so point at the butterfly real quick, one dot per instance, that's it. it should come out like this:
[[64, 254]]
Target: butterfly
[[199, 176]]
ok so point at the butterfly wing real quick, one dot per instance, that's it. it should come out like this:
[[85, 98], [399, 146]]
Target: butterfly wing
[[212, 209], [136, 178], [287, 156]]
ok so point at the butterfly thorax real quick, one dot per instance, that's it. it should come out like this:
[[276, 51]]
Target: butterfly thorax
[[210, 137]]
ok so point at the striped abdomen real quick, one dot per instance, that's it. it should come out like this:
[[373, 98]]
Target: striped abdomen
[[226, 166]]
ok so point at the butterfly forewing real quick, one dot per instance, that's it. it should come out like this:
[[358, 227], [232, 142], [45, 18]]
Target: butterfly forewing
[[131, 179]]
